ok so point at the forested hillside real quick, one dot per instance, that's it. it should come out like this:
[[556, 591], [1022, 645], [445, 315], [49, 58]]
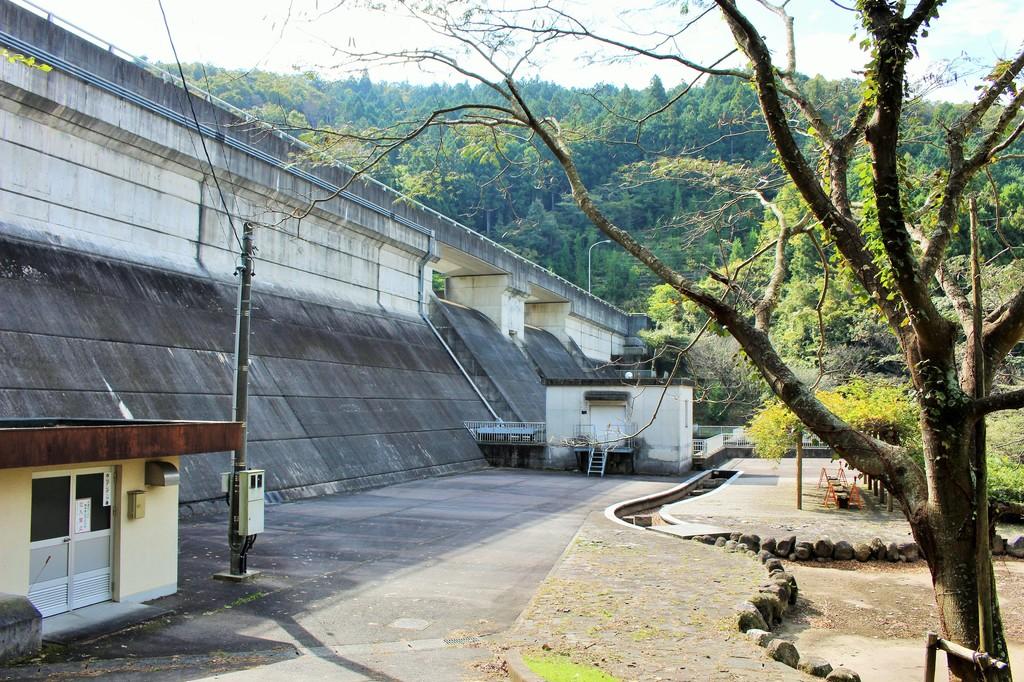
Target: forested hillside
[[692, 181], [523, 206]]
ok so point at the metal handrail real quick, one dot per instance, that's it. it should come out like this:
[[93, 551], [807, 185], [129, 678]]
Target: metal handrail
[[508, 433], [736, 436]]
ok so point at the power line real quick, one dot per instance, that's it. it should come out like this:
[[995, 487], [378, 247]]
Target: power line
[[195, 118]]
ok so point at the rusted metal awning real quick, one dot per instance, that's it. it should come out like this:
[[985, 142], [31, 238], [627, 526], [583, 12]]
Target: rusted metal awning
[[44, 442]]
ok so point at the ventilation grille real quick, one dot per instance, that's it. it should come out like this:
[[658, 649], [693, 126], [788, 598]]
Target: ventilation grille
[[92, 589], [50, 600], [461, 641]]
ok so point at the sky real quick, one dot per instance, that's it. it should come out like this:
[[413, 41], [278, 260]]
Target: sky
[[290, 35]]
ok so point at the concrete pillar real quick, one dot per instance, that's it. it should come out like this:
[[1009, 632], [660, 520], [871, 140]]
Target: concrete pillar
[[493, 296], [551, 317]]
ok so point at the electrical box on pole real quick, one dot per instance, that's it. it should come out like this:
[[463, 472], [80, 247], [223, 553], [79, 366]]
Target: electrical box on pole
[[250, 502]]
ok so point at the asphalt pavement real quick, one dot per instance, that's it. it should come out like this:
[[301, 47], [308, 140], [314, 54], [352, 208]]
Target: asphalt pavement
[[400, 583]]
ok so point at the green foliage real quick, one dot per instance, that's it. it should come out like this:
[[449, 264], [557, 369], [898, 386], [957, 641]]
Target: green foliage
[[1005, 479], [773, 430], [1005, 439], [880, 408]]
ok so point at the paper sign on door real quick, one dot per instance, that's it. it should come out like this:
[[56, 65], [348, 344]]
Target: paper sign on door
[[83, 515], [108, 485]]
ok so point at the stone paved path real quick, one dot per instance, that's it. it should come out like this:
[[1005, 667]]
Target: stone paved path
[[763, 501], [643, 606]]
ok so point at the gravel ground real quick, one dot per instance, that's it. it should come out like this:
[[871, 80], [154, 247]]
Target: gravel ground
[[642, 606]]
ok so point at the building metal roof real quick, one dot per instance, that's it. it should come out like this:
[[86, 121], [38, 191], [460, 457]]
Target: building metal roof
[[45, 442]]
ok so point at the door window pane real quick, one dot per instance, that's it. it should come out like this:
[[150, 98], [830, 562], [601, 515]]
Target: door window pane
[[90, 486], [51, 507]]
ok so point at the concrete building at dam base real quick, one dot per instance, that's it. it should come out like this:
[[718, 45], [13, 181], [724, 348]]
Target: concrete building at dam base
[[118, 255]]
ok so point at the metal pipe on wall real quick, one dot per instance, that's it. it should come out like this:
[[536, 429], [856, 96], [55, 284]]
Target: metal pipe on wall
[[421, 305]]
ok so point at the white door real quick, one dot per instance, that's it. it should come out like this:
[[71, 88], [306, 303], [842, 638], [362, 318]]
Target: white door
[[71, 540], [609, 422]]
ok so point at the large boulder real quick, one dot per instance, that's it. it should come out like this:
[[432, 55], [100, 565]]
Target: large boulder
[[784, 652], [892, 552], [862, 551], [878, 549], [760, 637], [735, 536], [842, 675], [1016, 548], [779, 590], [843, 551], [998, 545], [774, 565], [720, 542], [20, 627], [770, 607], [909, 551], [815, 666], [785, 546], [731, 545], [749, 618], [750, 541], [789, 581], [804, 551], [823, 547], [768, 545]]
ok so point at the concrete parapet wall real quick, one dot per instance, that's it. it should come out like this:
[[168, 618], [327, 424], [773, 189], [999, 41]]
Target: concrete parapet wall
[[142, 190]]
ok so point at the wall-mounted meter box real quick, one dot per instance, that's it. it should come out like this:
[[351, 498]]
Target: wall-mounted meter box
[[250, 501], [136, 504]]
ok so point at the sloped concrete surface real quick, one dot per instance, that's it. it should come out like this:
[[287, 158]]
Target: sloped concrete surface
[[505, 365], [340, 397], [554, 361]]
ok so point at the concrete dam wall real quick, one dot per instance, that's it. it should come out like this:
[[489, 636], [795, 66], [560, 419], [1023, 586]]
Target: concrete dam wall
[[341, 397], [118, 244]]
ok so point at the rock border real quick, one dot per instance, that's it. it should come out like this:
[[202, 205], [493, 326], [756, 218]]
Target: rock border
[[765, 609]]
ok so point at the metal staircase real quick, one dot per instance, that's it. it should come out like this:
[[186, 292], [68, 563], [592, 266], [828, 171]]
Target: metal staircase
[[596, 461]]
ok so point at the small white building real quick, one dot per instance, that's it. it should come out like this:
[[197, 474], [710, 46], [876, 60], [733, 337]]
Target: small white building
[[645, 425]]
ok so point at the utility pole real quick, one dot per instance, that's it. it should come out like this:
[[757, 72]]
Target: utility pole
[[799, 469], [237, 568]]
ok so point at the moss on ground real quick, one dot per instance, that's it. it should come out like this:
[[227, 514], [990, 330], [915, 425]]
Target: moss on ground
[[558, 668]]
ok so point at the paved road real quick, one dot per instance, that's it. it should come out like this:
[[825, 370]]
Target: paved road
[[367, 585]]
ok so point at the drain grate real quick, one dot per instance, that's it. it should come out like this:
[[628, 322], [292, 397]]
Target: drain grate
[[461, 641]]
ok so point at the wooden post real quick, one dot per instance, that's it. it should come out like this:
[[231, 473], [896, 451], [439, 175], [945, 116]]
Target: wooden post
[[983, 545], [929, 660], [799, 470], [889, 502]]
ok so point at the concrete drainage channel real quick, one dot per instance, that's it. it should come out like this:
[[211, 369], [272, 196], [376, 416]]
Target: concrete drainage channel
[[648, 512]]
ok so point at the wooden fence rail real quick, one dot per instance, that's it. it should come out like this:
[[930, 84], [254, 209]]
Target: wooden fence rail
[[936, 644]]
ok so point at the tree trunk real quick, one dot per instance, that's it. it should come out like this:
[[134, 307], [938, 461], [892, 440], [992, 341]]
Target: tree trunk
[[946, 531]]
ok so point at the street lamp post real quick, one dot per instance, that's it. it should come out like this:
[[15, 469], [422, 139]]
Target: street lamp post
[[589, 251]]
